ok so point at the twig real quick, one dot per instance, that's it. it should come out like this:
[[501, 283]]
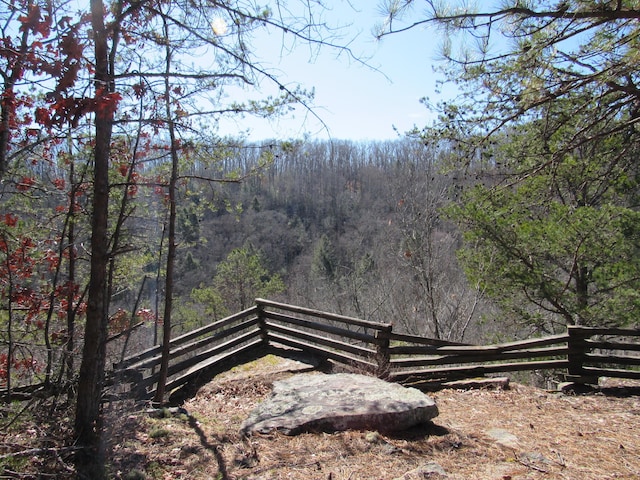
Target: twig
[[17, 415], [12, 474], [530, 465], [560, 460], [38, 451]]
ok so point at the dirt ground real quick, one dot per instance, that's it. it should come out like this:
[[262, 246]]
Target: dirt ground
[[519, 433]]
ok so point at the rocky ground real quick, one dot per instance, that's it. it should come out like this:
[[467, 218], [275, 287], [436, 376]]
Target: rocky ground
[[519, 433]]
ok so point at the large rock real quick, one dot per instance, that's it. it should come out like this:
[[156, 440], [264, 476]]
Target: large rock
[[318, 402]]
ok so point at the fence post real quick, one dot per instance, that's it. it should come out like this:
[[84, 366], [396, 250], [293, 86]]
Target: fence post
[[576, 346], [383, 357], [262, 324]]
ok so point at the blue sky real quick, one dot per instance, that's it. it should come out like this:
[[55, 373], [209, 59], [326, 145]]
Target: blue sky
[[354, 101]]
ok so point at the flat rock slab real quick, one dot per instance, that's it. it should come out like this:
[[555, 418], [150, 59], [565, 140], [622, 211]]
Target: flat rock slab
[[336, 402]]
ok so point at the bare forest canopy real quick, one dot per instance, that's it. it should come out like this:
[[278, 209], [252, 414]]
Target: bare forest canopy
[[353, 228]]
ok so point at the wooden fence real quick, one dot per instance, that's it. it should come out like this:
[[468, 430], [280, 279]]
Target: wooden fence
[[582, 353], [191, 354]]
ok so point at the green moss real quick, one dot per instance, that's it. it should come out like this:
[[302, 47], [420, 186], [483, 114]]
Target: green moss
[[155, 470], [159, 432], [266, 360]]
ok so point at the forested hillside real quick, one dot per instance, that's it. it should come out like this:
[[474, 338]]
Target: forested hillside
[[354, 228]]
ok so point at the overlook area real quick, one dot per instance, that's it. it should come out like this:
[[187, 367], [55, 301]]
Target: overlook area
[[483, 220], [519, 433], [556, 436]]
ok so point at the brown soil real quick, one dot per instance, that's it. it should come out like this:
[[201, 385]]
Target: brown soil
[[552, 435]]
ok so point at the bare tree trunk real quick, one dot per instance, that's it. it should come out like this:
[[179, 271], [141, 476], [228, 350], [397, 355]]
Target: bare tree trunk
[[9, 308], [6, 108], [88, 423], [71, 308], [171, 238]]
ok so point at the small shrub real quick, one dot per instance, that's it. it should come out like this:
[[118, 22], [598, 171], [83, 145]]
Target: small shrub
[[155, 470], [135, 475]]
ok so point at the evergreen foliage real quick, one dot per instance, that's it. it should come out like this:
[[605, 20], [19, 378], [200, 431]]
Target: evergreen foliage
[[545, 127]]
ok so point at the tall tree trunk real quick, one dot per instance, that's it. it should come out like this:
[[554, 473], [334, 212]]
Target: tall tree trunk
[[171, 239], [88, 422], [71, 272], [9, 308]]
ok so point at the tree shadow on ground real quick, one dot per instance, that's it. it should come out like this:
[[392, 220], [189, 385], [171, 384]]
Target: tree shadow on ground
[[214, 448]]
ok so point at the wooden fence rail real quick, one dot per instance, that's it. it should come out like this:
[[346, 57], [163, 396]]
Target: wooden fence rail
[[356, 343], [583, 353], [191, 354], [443, 362], [600, 352]]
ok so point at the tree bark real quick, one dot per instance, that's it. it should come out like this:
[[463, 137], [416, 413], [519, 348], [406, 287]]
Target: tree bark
[[171, 239], [88, 423]]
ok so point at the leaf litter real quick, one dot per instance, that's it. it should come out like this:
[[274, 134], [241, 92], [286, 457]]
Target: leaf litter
[[550, 435]]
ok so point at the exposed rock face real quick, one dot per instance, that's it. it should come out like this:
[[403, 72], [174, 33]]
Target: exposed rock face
[[317, 402], [503, 437]]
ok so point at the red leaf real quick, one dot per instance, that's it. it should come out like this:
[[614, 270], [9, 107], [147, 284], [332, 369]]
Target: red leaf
[[59, 183], [43, 117], [68, 77], [10, 220], [106, 104], [25, 184], [138, 89], [71, 47], [31, 20]]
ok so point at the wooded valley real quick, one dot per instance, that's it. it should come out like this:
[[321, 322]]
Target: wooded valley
[[353, 228]]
